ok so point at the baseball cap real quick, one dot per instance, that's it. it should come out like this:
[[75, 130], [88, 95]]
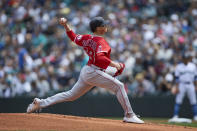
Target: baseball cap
[[97, 22]]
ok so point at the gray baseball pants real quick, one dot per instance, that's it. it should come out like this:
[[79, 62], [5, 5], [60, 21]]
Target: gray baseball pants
[[90, 77]]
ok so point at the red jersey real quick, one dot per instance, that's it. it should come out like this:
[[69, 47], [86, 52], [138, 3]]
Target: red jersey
[[96, 48]]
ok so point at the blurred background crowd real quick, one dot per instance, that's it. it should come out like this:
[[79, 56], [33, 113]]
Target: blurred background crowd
[[149, 36]]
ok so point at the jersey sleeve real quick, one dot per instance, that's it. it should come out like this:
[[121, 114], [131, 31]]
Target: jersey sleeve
[[76, 38], [103, 47]]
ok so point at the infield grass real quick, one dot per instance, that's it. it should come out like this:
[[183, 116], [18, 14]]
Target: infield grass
[[160, 121]]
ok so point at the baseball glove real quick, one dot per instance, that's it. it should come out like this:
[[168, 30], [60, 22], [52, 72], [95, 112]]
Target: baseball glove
[[118, 72]]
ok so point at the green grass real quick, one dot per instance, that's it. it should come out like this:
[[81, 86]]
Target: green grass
[[193, 124], [160, 121], [165, 121]]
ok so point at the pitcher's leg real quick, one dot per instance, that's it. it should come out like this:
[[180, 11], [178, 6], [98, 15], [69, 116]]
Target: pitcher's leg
[[123, 100], [78, 90], [106, 81]]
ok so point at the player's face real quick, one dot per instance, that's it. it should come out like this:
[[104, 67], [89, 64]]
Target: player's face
[[102, 30]]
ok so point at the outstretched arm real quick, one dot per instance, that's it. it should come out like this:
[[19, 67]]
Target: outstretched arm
[[69, 32], [64, 22]]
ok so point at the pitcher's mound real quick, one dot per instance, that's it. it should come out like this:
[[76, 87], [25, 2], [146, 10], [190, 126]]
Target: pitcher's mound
[[22, 121]]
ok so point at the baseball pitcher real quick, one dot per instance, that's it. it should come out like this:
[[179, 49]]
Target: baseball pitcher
[[93, 74], [186, 76]]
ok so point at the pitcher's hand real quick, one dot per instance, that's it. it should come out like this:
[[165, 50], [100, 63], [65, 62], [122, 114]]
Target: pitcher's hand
[[63, 21]]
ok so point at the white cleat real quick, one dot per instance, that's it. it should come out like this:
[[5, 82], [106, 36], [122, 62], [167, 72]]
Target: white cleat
[[34, 106], [175, 117], [133, 119]]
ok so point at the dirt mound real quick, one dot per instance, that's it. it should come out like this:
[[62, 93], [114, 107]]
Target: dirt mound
[[21, 121]]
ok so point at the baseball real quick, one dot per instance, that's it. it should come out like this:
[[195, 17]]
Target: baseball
[[62, 19]]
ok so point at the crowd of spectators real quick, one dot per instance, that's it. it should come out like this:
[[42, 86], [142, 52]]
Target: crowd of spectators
[[149, 36]]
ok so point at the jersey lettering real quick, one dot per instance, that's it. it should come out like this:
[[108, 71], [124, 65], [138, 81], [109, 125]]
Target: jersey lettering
[[93, 45], [89, 43]]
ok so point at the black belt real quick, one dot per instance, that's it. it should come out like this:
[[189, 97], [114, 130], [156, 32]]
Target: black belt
[[187, 83]]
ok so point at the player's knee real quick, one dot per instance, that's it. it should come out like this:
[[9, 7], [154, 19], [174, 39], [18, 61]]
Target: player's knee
[[120, 86], [71, 96]]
